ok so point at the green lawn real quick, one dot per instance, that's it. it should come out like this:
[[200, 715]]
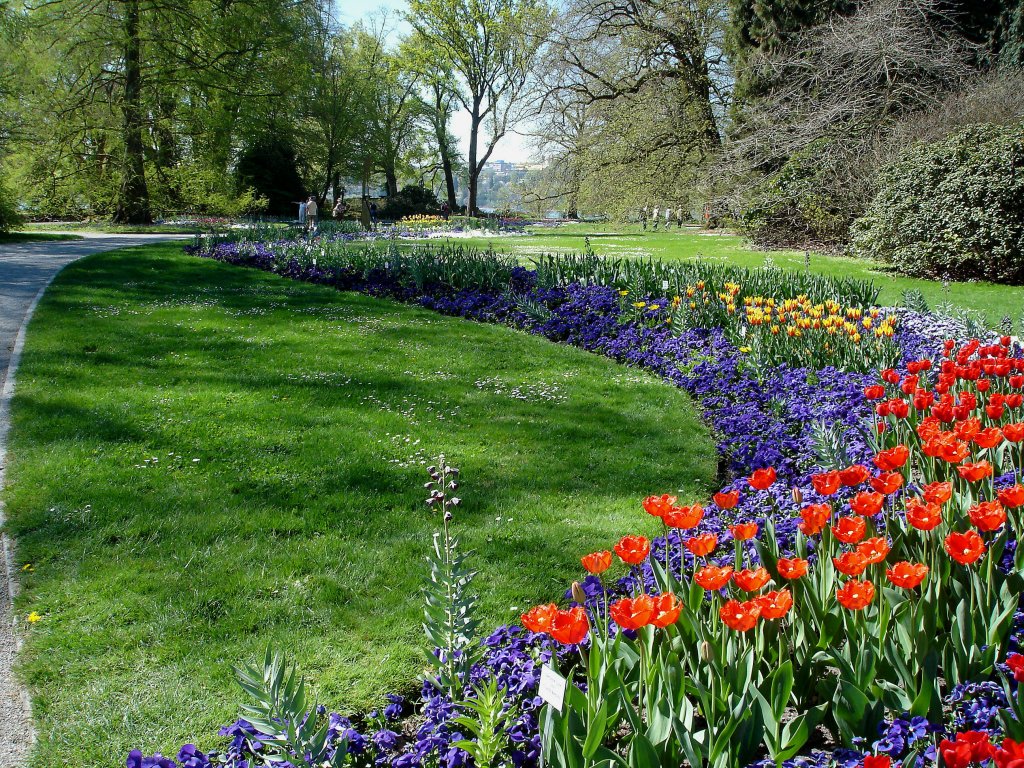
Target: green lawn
[[691, 243], [30, 237], [116, 229], [207, 459]]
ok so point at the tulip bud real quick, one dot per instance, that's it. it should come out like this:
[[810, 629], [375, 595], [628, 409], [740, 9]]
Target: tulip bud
[[798, 495], [707, 652], [578, 594]]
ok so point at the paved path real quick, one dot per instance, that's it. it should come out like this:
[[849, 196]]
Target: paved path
[[25, 270]]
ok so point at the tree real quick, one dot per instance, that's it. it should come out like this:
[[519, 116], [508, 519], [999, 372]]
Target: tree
[[491, 46]]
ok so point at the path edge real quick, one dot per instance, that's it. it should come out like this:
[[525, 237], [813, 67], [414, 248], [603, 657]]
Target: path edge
[[6, 543]]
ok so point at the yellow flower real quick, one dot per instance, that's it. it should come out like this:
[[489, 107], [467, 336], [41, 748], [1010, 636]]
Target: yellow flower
[[33, 617], [28, 567], [623, 293], [655, 306], [744, 350], [639, 304]]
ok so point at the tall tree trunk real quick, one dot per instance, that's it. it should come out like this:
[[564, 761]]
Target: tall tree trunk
[[133, 200], [391, 179], [441, 132], [474, 172]]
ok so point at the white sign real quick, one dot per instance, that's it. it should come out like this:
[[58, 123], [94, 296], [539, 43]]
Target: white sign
[[552, 687], [664, 285]]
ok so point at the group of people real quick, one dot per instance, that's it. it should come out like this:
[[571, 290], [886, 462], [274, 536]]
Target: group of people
[[655, 215], [309, 218]]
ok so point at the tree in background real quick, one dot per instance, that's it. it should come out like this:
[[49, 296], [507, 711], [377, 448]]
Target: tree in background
[[491, 46]]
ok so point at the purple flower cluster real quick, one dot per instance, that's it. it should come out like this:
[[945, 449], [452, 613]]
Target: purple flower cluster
[[761, 418]]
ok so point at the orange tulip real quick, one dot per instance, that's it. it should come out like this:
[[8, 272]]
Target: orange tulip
[[826, 483], [923, 515], [892, 459], [938, 493], [987, 516], [907, 575], [854, 475], [988, 438], [1012, 497], [597, 562], [570, 627], [539, 619], [762, 479], [633, 550], [726, 499], [751, 580], [1014, 432], [972, 473], [850, 563], [740, 617], [775, 605], [849, 530], [856, 595], [792, 568], [712, 577], [743, 531], [684, 517], [814, 517], [867, 503], [666, 610], [965, 548], [632, 612], [702, 546], [659, 506], [874, 550], [887, 483]]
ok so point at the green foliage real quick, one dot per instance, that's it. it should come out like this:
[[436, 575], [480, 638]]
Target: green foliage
[[914, 300], [487, 719], [9, 216], [278, 706], [411, 200], [449, 616], [791, 207], [952, 209], [269, 167]]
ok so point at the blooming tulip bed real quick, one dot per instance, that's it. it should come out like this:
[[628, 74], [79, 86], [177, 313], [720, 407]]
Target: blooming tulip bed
[[852, 606]]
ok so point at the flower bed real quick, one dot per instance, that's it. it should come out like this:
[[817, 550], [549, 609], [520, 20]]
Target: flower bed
[[778, 426]]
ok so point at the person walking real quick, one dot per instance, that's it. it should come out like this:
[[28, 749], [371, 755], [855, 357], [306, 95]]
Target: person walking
[[655, 217], [679, 217], [373, 215], [312, 219], [445, 210], [668, 216], [302, 214], [340, 208], [643, 218]]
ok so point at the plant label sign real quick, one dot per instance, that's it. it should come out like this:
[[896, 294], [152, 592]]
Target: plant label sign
[[552, 687]]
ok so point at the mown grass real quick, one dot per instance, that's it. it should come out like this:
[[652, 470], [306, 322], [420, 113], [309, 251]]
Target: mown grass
[[117, 229], [994, 301], [31, 237], [207, 459]]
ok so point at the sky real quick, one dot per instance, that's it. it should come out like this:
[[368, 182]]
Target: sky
[[512, 147]]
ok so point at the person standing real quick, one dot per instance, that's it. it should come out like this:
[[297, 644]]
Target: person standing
[[445, 210], [340, 208], [679, 217], [302, 214], [311, 214], [643, 218], [668, 216], [655, 217], [373, 215]]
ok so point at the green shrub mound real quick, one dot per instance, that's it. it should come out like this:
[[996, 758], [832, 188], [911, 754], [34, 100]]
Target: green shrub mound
[[796, 205], [952, 209], [9, 216]]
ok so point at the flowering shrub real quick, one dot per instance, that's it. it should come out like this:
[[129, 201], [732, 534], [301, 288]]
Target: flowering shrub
[[864, 599]]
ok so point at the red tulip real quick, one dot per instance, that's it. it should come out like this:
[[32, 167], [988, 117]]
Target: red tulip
[[792, 568], [1012, 497], [922, 515], [632, 612], [907, 575], [659, 506], [987, 515], [775, 605], [850, 563], [743, 531], [666, 610], [874, 550], [751, 580], [856, 595], [849, 530], [938, 493], [633, 550], [972, 473], [762, 479], [539, 619], [570, 627], [965, 548], [684, 517], [892, 459], [597, 562], [740, 617], [826, 483], [887, 483], [712, 577], [726, 499], [1009, 755], [702, 546], [877, 761], [867, 503], [1016, 664], [854, 475], [814, 517]]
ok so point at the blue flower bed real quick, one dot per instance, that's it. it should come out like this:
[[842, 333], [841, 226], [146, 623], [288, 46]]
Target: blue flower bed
[[761, 418]]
